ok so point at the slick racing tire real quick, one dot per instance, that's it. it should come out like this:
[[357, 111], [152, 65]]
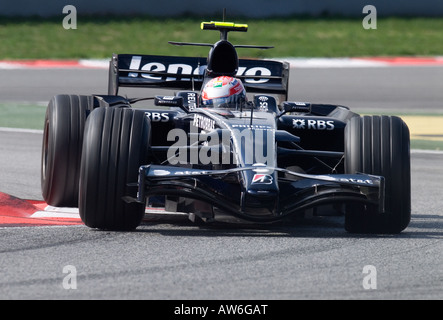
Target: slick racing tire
[[61, 148], [380, 145], [115, 145]]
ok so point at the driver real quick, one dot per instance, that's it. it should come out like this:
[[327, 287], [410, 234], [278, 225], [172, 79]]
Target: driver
[[224, 92]]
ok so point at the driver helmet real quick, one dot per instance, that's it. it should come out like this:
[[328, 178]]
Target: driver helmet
[[224, 92]]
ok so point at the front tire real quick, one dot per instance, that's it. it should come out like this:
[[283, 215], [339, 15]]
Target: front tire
[[115, 146], [61, 148], [380, 145]]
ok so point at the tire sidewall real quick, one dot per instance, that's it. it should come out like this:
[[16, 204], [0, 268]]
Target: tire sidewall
[[115, 145], [379, 145]]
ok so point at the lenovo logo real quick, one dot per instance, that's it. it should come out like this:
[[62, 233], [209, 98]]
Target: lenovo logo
[[179, 71]]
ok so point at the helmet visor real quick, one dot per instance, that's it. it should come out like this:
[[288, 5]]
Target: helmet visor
[[234, 102]]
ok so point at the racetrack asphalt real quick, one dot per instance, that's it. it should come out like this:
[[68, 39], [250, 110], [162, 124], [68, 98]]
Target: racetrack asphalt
[[174, 259]]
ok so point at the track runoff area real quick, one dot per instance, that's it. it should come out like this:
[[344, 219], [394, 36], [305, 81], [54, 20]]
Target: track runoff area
[[15, 212]]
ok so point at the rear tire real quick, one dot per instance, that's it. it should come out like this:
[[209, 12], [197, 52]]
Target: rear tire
[[379, 145], [61, 148], [115, 146]]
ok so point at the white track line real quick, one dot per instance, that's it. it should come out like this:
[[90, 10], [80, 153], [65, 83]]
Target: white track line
[[19, 130], [302, 62]]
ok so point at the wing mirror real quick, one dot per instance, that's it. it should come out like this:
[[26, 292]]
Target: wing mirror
[[170, 101], [301, 107]]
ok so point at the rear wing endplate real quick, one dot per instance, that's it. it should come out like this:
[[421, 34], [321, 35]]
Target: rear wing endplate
[[187, 73]]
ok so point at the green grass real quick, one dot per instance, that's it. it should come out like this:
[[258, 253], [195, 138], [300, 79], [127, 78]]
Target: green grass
[[24, 116], [39, 38], [426, 145]]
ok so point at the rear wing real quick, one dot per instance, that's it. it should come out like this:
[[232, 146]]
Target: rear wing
[[187, 73]]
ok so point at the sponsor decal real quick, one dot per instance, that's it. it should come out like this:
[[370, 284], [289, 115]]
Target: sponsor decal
[[190, 172], [192, 100], [253, 126], [183, 69], [312, 124], [261, 178], [360, 181], [255, 71], [263, 103], [203, 122], [298, 123], [158, 116]]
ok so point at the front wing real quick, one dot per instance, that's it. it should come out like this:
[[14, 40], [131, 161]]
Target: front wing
[[302, 192]]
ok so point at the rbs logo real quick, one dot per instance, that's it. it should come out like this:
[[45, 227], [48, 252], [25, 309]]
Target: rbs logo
[[313, 124], [158, 116]]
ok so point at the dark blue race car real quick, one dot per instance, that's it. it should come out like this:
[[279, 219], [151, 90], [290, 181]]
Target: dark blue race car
[[226, 146]]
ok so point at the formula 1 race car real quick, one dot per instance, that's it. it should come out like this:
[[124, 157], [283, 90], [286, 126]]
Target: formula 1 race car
[[227, 146]]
